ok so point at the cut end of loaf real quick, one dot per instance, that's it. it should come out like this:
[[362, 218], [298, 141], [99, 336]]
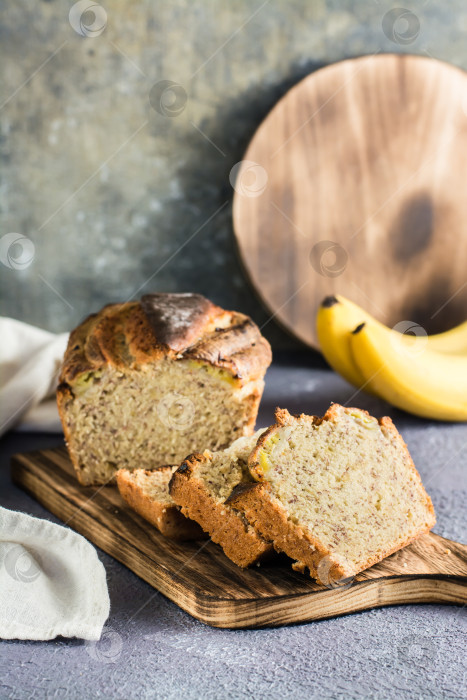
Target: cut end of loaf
[[152, 415]]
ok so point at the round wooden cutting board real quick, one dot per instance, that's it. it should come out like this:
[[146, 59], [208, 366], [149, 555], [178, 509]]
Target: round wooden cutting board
[[356, 183]]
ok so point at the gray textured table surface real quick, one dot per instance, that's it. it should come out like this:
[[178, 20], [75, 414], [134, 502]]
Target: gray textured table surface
[[161, 652]]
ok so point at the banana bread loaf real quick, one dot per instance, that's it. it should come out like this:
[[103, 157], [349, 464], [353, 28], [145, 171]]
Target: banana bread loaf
[[145, 383], [337, 493]]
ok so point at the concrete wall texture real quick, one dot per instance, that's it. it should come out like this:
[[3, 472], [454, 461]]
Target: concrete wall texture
[[120, 123]]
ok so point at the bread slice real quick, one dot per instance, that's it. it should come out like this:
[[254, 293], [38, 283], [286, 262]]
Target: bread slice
[[337, 493], [147, 492], [201, 485], [143, 384]]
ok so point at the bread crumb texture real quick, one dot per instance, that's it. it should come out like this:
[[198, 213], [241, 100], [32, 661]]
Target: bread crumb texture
[[224, 470], [152, 415], [154, 484], [347, 480]]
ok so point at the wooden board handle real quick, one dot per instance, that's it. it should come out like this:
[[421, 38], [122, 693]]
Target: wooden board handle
[[430, 555]]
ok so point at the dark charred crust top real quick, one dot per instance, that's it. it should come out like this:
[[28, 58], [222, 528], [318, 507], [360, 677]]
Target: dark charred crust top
[[174, 326], [176, 319]]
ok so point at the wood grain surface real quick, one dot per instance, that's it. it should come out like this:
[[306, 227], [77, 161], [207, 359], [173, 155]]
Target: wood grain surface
[[354, 184], [201, 580]]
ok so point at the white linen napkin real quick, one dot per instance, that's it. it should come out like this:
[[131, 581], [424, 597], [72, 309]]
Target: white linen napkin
[[51, 581], [30, 360]]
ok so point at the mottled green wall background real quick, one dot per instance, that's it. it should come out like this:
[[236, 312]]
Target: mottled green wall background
[[112, 193]]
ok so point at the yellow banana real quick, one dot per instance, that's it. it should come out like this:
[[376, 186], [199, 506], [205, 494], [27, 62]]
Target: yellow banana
[[338, 316], [453, 341], [417, 379], [336, 319]]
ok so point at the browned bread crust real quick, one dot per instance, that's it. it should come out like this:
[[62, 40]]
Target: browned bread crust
[[260, 507], [135, 335], [240, 542], [124, 335], [270, 520], [166, 517]]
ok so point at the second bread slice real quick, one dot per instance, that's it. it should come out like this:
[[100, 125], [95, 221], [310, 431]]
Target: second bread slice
[[201, 486]]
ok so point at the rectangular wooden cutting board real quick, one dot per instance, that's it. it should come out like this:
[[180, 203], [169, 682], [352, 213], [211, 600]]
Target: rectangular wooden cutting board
[[201, 580]]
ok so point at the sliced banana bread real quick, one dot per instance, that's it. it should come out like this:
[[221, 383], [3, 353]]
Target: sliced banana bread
[[143, 384], [147, 492], [337, 493], [201, 486]]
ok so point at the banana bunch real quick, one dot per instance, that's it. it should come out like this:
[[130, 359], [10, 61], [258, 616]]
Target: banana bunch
[[424, 375]]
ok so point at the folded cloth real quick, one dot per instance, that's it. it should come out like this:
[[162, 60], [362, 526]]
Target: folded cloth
[[51, 581], [30, 360]]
